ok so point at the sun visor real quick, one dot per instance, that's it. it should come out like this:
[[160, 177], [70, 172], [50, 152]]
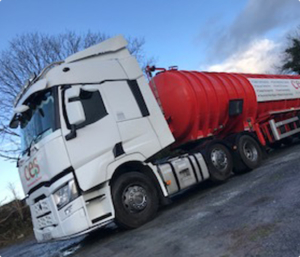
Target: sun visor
[[111, 45], [38, 86]]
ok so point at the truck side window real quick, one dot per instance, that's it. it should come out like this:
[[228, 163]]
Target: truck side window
[[93, 107]]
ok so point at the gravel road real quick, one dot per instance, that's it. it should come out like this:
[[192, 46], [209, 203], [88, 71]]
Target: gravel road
[[254, 214]]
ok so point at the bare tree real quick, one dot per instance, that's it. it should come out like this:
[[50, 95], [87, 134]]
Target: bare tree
[[16, 203], [15, 221], [30, 53]]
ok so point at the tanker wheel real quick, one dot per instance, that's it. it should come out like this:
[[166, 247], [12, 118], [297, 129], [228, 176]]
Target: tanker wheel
[[248, 155], [135, 200], [219, 162]]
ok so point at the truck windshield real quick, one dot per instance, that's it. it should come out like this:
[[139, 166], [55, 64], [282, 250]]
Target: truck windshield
[[40, 120]]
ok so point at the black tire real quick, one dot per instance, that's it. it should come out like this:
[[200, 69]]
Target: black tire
[[248, 155], [222, 171], [135, 200]]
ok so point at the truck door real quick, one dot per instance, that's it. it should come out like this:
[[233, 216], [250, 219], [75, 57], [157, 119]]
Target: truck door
[[89, 143]]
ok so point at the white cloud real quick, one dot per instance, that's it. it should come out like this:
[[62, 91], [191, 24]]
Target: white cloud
[[258, 19], [261, 56]]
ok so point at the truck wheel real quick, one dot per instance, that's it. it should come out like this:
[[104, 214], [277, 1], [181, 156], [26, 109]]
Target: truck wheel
[[219, 162], [249, 154], [135, 200]]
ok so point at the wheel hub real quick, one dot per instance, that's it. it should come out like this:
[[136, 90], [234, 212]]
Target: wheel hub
[[219, 159], [250, 152], [135, 198]]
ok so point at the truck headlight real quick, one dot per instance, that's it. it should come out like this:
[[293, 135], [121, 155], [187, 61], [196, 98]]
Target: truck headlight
[[65, 194]]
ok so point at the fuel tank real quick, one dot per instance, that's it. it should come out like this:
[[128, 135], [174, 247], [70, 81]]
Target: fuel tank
[[202, 104]]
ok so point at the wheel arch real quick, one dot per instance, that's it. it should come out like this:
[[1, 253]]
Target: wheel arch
[[233, 141], [205, 144], [141, 167]]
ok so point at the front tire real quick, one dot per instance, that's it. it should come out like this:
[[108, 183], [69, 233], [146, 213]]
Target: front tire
[[135, 199]]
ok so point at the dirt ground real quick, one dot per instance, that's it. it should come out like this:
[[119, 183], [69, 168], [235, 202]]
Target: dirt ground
[[253, 215]]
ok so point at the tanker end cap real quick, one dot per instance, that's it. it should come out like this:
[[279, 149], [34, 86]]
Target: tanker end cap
[[108, 46]]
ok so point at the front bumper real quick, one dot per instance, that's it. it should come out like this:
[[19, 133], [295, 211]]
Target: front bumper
[[77, 217], [53, 226]]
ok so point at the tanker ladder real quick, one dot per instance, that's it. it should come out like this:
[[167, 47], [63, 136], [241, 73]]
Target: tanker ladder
[[285, 128]]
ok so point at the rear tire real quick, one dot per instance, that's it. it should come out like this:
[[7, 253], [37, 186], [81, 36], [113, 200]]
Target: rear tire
[[135, 200], [248, 155], [219, 162]]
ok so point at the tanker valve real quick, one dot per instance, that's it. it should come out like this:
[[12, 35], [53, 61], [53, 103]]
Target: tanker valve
[[150, 69], [173, 68], [250, 124]]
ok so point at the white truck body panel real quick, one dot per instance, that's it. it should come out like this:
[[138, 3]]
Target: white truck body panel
[[120, 109], [39, 168], [108, 46], [156, 118]]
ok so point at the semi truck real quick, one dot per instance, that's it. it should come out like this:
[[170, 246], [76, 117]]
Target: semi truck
[[101, 144]]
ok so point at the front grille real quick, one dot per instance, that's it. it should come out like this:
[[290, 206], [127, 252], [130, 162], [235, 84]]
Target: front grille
[[41, 207], [43, 214], [46, 221]]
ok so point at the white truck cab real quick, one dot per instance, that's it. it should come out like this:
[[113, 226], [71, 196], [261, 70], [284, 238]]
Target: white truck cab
[[84, 123], [80, 121]]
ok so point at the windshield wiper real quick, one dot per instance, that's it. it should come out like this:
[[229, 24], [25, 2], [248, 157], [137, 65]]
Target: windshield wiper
[[35, 140], [27, 150], [39, 135]]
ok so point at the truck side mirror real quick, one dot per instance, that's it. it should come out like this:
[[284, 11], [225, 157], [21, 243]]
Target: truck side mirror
[[74, 107], [75, 113], [74, 110]]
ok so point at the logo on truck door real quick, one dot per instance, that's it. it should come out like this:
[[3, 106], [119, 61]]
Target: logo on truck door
[[32, 170]]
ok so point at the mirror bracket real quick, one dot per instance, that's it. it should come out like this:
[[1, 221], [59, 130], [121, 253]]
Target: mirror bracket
[[72, 133]]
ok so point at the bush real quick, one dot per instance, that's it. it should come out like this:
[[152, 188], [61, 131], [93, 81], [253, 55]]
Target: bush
[[15, 222]]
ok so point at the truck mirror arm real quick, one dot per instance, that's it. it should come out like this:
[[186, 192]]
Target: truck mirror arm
[[72, 134]]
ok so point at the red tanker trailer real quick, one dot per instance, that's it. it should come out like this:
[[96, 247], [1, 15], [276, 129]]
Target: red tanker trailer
[[243, 111]]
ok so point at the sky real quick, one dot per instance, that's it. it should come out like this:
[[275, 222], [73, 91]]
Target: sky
[[233, 35]]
